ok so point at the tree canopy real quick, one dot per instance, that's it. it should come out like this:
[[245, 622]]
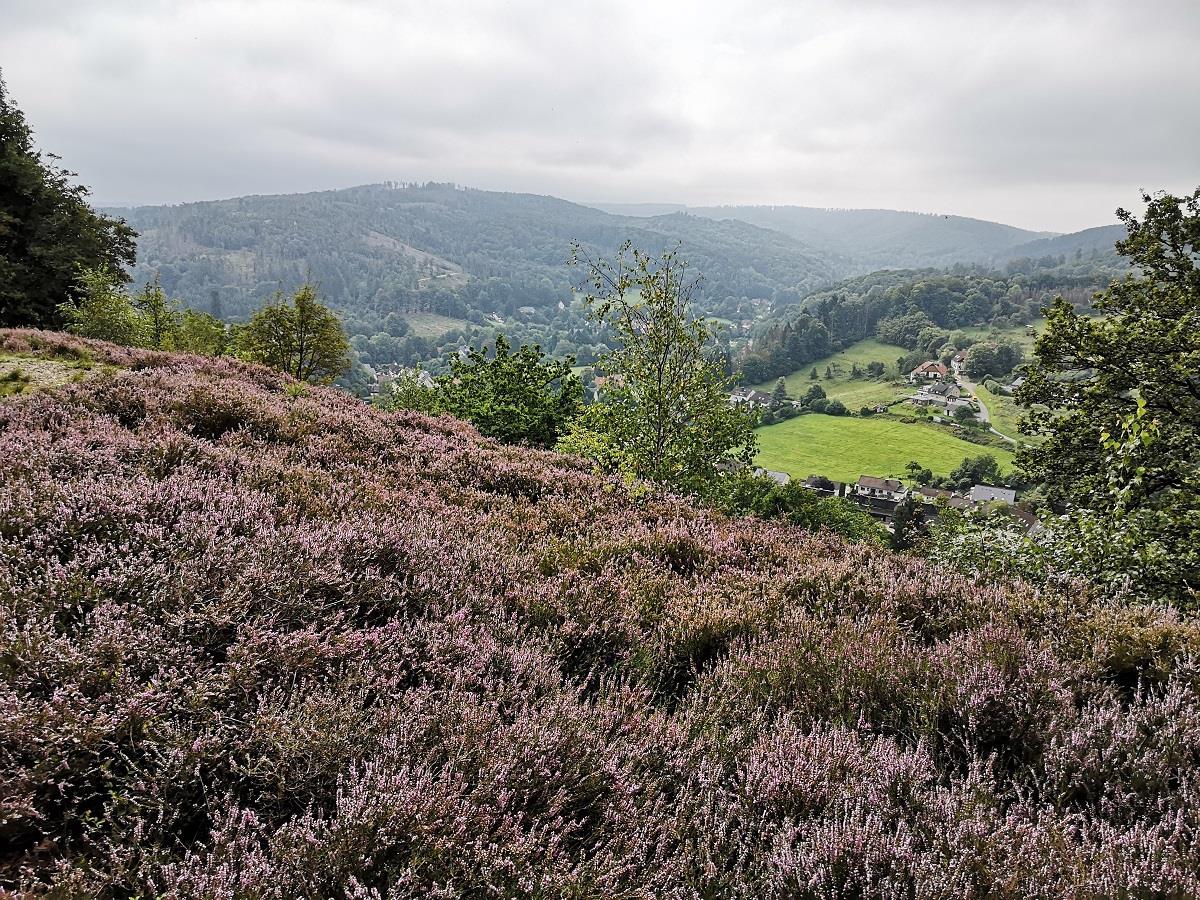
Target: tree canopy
[[48, 233], [297, 335], [1116, 398]]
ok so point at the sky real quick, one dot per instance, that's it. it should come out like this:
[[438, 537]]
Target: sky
[[1047, 115]]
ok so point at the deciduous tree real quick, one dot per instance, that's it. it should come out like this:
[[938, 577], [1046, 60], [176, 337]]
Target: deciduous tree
[[665, 413], [298, 335]]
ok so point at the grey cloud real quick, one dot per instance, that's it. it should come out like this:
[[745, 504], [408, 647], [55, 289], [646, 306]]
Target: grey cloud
[[1047, 116]]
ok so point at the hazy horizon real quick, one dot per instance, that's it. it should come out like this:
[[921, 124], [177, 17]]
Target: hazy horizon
[[1045, 119]]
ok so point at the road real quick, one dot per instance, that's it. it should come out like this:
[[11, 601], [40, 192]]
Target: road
[[984, 415]]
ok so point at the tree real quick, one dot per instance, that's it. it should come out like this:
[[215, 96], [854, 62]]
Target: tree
[[779, 394], [906, 523], [160, 315], [665, 413], [297, 335], [1117, 399], [982, 469], [964, 414], [875, 369], [48, 233], [814, 392], [520, 397], [201, 333], [828, 373], [813, 374], [747, 494], [101, 309]]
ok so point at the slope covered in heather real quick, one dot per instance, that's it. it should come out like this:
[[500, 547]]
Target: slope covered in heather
[[264, 642]]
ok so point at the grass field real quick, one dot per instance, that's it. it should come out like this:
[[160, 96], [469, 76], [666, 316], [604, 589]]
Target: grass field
[[854, 392], [431, 325], [1018, 334], [843, 448], [1005, 414]]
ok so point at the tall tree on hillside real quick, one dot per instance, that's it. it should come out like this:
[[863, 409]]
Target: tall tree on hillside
[[1117, 399], [48, 233], [298, 335], [664, 414], [779, 394]]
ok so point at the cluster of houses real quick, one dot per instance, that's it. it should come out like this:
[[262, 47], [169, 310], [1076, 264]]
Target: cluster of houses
[[934, 389], [881, 496], [745, 395]]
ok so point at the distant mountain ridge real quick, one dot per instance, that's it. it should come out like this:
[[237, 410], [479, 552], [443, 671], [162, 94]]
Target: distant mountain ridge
[[872, 239]]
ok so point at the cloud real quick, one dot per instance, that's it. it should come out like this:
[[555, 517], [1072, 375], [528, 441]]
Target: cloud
[[1043, 115]]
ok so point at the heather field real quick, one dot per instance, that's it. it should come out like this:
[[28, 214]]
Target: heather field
[[261, 641]]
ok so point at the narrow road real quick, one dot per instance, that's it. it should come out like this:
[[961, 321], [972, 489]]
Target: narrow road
[[984, 415]]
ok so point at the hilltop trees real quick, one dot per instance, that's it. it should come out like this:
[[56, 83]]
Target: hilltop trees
[[297, 335], [48, 233], [664, 414], [1117, 399]]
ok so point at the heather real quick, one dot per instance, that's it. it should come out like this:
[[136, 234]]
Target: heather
[[259, 640]]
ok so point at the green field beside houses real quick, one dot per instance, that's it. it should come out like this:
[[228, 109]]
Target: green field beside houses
[[843, 447]]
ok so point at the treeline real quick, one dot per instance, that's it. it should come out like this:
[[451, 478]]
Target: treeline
[[914, 309]]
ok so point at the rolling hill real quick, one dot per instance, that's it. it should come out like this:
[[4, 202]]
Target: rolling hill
[[438, 248]]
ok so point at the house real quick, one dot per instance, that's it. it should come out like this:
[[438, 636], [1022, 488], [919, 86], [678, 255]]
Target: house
[[986, 493], [777, 477], [749, 395], [928, 371], [822, 485], [940, 393], [953, 500], [880, 488], [958, 361]]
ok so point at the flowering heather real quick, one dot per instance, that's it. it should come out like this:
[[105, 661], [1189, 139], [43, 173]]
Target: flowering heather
[[271, 643]]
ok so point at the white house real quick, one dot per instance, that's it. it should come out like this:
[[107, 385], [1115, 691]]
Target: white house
[[880, 488], [749, 395], [928, 371], [957, 361]]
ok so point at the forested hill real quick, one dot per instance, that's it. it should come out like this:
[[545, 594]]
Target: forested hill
[[437, 248], [870, 239], [1091, 244], [918, 309]]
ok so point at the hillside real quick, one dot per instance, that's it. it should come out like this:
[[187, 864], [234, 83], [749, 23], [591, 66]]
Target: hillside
[[263, 641], [871, 239], [1090, 244], [390, 248]]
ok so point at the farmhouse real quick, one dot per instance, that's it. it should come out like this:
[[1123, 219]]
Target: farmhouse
[[953, 500], [749, 395], [880, 488], [777, 477], [928, 371]]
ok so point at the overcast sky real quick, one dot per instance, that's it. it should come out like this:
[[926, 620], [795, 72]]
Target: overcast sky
[[1047, 115]]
